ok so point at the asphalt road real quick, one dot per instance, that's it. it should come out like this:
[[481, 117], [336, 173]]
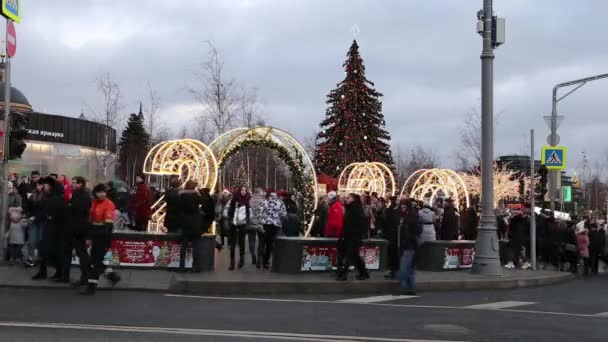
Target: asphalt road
[[575, 311]]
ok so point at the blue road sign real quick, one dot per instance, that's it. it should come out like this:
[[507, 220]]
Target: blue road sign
[[554, 157]]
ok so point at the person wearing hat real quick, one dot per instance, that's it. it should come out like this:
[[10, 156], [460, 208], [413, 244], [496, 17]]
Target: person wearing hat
[[53, 217], [102, 217]]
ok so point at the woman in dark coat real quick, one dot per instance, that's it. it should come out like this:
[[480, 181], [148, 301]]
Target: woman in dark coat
[[391, 227], [53, 213], [469, 223], [141, 203], [173, 206], [238, 225], [449, 224], [190, 222], [355, 227]]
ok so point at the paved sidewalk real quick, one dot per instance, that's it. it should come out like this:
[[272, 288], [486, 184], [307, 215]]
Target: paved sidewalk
[[250, 281]]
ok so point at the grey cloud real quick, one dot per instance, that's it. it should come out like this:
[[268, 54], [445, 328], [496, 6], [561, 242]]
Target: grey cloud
[[423, 55]]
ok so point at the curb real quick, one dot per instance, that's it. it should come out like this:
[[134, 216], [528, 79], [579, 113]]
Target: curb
[[353, 287], [179, 285]]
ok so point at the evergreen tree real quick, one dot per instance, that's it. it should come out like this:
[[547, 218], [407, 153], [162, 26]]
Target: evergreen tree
[[354, 127], [241, 178], [133, 147]]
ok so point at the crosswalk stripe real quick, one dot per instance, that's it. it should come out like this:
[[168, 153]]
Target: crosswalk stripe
[[499, 305], [375, 299], [602, 314]]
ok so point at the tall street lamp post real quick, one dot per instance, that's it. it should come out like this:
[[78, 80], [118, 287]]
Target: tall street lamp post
[[487, 261]]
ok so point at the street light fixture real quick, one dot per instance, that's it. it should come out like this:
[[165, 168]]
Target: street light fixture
[[554, 122]]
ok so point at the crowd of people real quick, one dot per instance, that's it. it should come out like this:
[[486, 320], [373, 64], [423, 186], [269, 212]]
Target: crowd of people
[[53, 218], [258, 218]]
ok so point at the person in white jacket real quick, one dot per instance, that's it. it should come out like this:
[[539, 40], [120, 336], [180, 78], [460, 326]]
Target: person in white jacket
[[273, 212], [427, 219]]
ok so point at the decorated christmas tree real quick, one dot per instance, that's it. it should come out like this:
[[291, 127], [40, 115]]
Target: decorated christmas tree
[[241, 178], [354, 127]]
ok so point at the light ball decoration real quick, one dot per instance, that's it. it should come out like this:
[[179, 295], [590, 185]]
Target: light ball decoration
[[428, 184], [187, 159], [367, 177]]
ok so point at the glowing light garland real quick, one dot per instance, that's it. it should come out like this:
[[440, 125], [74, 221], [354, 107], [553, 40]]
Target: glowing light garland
[[287, 147], [367, 177], [426, 184], [506, 183], [187, 159]]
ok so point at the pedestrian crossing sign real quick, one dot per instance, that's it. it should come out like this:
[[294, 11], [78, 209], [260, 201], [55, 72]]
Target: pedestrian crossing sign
[[554, 157]]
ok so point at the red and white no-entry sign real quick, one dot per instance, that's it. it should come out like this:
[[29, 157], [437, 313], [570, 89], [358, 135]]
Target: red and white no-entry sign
[[11, 39]]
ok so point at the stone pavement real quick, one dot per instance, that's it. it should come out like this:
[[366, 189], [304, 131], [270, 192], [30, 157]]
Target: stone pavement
[[251, 281]]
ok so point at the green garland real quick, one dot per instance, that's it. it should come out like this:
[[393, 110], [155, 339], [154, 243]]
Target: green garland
[[302, 183]]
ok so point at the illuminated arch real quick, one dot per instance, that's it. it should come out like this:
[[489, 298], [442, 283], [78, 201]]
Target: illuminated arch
[[187, 159], [425, 185], [227, 144], [371, 177]]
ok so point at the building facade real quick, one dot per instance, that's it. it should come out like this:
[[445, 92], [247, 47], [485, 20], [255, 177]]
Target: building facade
[[60, 144]]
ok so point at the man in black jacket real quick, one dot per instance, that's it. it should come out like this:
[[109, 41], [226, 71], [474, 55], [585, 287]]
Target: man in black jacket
[[53, 213], [409, 235], [391, 227], [597, 243], [75, 233], [355, 226]]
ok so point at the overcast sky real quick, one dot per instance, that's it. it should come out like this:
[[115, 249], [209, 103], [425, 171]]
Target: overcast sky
[[422, 55]]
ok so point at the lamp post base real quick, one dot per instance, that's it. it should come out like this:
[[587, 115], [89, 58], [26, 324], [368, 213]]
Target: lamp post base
[[487, 259]]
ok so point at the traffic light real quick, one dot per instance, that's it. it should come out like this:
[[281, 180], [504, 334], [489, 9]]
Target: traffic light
[[17, 135]]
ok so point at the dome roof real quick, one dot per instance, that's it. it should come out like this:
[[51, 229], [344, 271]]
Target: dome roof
[[17, 97], [19, 102]]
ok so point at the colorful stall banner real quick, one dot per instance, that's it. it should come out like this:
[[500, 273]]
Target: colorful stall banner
[[142, 253], [458, 258], [324, 258]]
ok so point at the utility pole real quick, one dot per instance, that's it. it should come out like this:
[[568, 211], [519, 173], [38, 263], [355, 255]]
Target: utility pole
[[532, 204], [487, 261], [4, 145], [554, 122]]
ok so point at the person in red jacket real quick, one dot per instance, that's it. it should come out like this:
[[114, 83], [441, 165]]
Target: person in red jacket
[[67, 188], [141, 204], [335, 216]]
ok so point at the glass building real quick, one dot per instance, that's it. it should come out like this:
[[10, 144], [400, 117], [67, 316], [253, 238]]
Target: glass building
[[60, 144]]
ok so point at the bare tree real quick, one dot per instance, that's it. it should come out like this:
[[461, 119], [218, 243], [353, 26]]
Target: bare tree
[[154, 125], [310, 144], [412, 160], [251, 113], [217, 93], [469, 153], [163, 134], [183, 132], [110, 115]]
